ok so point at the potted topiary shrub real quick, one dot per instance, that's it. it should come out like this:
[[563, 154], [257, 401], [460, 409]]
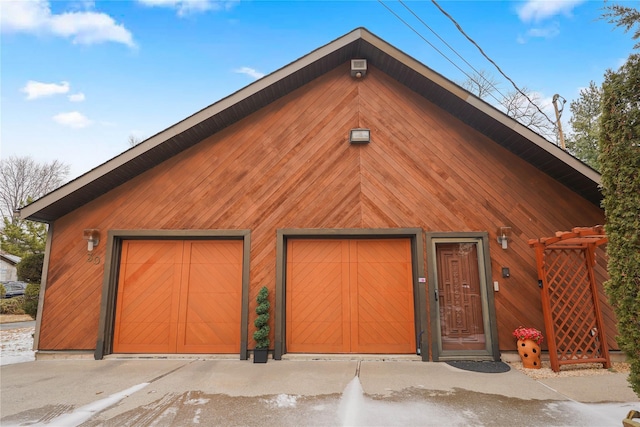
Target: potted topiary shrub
[[261, 335]]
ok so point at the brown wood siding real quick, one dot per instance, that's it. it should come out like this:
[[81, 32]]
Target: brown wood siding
[[290, 166]]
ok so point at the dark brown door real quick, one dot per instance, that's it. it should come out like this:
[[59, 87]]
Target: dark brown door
[[460, 297], [350, 296]]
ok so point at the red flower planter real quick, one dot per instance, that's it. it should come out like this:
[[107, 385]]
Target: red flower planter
[[529, 352]]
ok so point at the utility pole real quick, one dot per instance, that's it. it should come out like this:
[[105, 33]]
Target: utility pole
[[558, 115]]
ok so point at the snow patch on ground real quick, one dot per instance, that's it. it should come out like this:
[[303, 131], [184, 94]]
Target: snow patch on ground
[[283, 401], [197, 401], [83, 413], [16, 346]]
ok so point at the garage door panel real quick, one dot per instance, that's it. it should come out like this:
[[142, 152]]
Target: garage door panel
[[385, 298], [316, 299], [146, 337], [394, 338], [350, 296], [153, 252], [215, 278], [201, 337], [212, 307], [317, 251], [308, 337], [383, 251], [216, 252], [396, 307], [179, 296]]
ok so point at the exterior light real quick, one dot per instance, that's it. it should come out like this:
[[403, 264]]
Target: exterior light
[[360, 136], [503, 236], [92, 236], [358, 68]]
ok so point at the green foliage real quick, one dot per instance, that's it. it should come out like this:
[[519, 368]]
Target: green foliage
[[12, 305], [582, 142], [30, 268], [31, 296], [625, 17], [620, 163], [261, 335], [3, 291], [20, 237]]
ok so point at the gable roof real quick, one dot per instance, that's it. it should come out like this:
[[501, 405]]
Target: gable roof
[[357, 44]]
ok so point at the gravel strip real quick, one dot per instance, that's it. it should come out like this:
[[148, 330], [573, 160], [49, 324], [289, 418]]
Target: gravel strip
[[577, 370]]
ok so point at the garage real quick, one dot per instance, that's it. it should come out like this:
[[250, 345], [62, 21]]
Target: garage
[[179, 296], [350, 296]]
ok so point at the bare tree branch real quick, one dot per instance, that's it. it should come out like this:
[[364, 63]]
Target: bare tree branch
[[22, 179]]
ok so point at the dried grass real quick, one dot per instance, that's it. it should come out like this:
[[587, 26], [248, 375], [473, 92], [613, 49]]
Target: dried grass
[[11, 318]]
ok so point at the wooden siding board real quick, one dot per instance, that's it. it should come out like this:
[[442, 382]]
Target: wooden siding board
[[289, 165]]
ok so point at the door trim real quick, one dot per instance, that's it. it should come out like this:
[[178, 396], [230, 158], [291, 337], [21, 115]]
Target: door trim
[[104, 343], [417, 255], [492, 351]]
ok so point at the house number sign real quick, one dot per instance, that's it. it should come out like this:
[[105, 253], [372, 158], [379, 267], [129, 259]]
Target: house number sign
[[93, 258]]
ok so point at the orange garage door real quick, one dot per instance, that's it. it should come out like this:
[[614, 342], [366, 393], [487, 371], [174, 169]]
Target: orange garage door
[[179, 297], [350, 296]]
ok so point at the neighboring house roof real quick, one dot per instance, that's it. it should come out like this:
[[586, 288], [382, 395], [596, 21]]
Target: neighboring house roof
[[357, 44], [10, 259]]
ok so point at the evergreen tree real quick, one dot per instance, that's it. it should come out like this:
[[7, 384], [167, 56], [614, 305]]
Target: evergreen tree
[[620, 164], [21, 237], [582, 142]]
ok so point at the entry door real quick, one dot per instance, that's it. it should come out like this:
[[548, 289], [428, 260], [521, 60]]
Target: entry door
[[350, 296], [461, 300]]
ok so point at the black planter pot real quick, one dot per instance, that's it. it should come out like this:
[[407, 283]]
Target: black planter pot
[[260, 355]]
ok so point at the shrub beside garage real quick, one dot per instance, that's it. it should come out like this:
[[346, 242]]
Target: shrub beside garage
[[30, 271], [31, 296], [12, 305]]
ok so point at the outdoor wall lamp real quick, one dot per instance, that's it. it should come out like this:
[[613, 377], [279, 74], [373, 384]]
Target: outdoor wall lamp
[[504, 233], [358, 68], [359, 136], [92, 236]]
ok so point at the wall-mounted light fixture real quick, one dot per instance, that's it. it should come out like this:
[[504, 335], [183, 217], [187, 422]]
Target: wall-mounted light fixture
[[358, 68], [360, 136], [504, 233], [92, 236]]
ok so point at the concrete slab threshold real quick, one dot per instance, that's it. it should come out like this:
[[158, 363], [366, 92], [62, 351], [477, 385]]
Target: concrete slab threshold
[[172, 356], [64, 355], [354, 357]]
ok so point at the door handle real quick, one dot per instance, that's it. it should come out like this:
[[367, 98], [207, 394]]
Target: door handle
[[436, 294]]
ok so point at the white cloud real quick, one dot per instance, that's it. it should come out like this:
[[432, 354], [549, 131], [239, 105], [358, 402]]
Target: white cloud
[[539, 10], [548, 32], [36, 90], [82, 27], [249, 72], [73, 119], [76, 97], [186, 7]]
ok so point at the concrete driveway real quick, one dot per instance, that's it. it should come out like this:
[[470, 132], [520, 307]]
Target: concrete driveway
[[135, 392]]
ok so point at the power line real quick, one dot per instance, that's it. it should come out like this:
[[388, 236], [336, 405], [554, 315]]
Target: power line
[[490, 60], [435, 48], [478, 73]]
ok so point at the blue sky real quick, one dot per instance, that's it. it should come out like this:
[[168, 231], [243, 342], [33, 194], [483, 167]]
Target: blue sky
[[78, 77]]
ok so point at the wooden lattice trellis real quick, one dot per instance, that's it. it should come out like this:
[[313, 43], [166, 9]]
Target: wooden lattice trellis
[[572, 317]]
